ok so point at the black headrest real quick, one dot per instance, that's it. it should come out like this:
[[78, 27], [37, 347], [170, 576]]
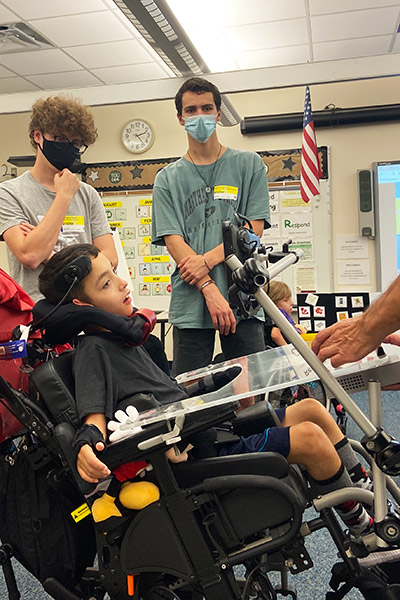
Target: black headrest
[[69, 320]]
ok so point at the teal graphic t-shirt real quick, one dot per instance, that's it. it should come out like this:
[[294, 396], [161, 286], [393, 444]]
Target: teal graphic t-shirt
[[183, 206]]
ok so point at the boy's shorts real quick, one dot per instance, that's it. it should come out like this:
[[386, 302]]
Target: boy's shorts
[[273, 439]]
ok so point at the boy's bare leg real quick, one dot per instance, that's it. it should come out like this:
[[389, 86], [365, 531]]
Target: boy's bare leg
[[311, 447], [310, 410], [313, 411]]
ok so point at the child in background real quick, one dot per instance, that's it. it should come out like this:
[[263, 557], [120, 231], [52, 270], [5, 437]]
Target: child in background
[[281, 295]]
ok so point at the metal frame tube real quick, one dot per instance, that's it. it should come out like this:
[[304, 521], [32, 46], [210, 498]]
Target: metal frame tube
[[294, 338]]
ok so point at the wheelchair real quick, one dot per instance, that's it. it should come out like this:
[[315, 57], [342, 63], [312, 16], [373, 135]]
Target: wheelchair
[[212, 515]]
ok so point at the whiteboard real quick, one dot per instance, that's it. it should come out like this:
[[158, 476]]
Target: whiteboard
[[387, 210], [310, 228]]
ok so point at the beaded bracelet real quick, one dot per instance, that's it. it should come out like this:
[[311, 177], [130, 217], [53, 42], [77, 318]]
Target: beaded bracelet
[[205, 262], [203, 285]]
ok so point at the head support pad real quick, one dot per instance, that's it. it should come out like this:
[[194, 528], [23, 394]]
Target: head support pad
[[73, 273]]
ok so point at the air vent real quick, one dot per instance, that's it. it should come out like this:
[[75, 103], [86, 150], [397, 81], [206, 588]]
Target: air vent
[[18, 37]]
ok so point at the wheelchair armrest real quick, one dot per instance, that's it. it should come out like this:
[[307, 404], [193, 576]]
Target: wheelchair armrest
[[255, 419], [118, 453], [267, 463], [65, 435]]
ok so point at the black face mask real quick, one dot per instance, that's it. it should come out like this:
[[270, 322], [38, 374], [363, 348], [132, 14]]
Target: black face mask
[[59, 158]]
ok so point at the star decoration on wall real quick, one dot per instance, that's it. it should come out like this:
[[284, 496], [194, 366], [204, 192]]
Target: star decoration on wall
[[288, 163], [136, 172], [94, 176]]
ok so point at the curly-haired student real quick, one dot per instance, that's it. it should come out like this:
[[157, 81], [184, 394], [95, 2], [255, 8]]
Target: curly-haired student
[[47, 208]]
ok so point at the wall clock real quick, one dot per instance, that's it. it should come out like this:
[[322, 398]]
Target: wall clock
[[137, 136]]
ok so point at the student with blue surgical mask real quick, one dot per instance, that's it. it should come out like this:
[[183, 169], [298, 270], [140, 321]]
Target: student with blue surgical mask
[[191, 199]]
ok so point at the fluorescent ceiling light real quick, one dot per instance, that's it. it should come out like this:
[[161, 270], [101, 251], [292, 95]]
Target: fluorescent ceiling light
[[202, 26], [158, 25]]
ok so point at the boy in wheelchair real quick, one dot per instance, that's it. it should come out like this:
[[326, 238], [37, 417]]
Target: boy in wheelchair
[[108, 370]]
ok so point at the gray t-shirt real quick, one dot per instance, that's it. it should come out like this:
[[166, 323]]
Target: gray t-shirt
[[24, 199], [182, 206]]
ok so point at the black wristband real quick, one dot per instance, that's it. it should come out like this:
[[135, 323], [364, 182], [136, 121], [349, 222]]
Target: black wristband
[[87, 434]]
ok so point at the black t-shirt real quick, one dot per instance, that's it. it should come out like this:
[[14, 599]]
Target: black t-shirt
[[107, 371]]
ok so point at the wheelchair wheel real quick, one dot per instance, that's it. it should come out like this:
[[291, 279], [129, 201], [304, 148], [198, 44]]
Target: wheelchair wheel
[[155, 586], [163, 593]]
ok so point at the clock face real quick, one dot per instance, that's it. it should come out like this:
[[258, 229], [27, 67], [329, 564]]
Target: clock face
[[137, 136]]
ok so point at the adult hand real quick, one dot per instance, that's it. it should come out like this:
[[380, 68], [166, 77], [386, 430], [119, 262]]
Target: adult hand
[[221, 313], [343, 342], [192, 268], [90, 468], [26, 227], [66, 184]]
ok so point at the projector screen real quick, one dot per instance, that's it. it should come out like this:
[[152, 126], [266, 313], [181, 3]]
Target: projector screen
[[387, 213]]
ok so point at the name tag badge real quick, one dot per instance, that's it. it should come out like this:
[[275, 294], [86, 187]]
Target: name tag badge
[[73, 224], [225, 192]]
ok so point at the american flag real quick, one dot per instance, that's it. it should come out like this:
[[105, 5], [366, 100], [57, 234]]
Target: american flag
[[310, 168]]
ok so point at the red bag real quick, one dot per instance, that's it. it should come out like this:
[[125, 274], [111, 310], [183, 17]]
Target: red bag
[[15, 309]]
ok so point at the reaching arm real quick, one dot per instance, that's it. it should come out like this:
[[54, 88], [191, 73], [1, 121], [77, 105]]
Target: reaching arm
[[352, 339], [277, 337]]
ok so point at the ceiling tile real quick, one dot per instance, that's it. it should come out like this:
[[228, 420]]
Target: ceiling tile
[[79, 30], [323, 7], [236, 12], [55, 81], [396, 47], [370, 46], [355, 24], [273, 57], [5, 73], [267, 35], [130, 73], [107, 55], [6, 16], [110, 3], [126, 23], [39, 61], [37, 9], [14, 85]]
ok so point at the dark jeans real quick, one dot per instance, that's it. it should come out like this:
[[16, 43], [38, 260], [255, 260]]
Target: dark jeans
[[194, 348]]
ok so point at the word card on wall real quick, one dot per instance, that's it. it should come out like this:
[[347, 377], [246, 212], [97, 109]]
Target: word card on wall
[[150, 266]]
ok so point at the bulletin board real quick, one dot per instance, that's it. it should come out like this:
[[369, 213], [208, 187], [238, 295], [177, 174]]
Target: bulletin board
[[309, 226], [318, 311], [149, 266]]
